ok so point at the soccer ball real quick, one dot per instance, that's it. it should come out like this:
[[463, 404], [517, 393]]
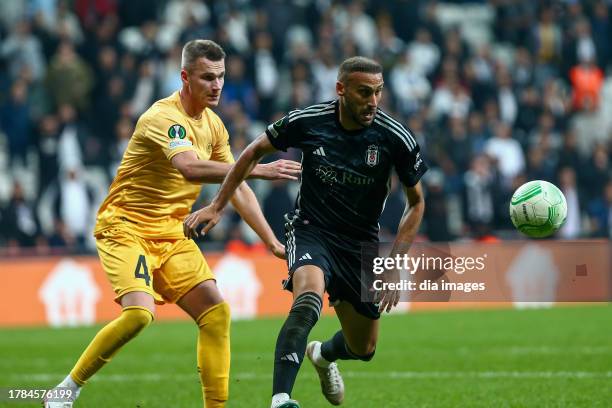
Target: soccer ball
[[538, 209]]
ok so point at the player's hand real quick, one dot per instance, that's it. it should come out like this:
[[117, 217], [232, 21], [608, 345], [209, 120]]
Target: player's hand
[[279, 170], [278, 250], [204, 215], [388, 298]]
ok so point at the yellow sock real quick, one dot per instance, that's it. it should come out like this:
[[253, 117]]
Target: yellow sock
[[214, 354], [109, 340]]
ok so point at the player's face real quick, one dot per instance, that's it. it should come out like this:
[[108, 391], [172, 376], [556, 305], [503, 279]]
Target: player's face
[[361, 93], [205, 81]]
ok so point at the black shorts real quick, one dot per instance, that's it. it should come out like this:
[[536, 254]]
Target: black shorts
[[338, 257]]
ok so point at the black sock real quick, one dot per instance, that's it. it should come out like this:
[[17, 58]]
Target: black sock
[[291, 342], [337, 349]]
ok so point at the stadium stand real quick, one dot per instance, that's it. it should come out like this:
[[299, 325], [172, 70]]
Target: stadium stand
[[497, 92]]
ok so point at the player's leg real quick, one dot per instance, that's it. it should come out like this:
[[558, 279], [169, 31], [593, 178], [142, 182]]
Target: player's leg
[[127, 268], [127, 264], [136, 314], [185, 278], [308, 286], [357, 339], [211, 313], [359, 320]]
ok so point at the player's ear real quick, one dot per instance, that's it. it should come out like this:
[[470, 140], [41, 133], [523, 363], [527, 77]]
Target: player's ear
[[184, 76], [339, 88]]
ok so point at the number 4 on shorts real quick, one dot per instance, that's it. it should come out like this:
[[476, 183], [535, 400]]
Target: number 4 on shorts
[[142, 262]]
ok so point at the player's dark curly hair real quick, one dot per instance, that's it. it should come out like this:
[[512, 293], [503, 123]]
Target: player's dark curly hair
[[358, 64], [195, 49]]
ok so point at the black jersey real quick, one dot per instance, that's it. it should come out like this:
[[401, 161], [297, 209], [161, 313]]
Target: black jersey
[[346, 173]]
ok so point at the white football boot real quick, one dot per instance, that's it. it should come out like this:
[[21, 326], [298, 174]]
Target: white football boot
[[332, 385], [60, 389], [283, 401]]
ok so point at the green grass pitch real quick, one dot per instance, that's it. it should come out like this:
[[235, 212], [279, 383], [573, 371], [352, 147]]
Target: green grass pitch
[[560, 357]]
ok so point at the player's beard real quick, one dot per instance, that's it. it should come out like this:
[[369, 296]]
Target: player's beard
[[356, 114]]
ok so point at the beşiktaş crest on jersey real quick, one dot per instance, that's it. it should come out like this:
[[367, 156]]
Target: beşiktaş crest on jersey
[[372, 155], [177, 134]]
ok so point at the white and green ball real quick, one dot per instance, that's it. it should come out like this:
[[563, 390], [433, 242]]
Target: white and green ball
[[538, 209]]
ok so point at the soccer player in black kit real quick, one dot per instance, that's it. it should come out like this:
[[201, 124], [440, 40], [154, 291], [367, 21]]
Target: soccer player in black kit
[[349, 148]]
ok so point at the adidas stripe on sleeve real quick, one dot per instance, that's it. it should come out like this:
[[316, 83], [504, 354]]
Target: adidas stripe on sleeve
[[288, 132]]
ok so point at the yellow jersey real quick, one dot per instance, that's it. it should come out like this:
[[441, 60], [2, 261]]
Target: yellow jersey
[[148, 196]]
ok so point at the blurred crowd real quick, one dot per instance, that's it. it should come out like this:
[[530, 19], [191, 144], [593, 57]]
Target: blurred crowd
[[497, 93]]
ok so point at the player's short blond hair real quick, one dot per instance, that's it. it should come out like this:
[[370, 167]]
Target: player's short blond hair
[[358, 64], [195, 49]]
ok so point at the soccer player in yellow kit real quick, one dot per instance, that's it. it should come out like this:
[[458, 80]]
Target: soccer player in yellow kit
[[178, 144]]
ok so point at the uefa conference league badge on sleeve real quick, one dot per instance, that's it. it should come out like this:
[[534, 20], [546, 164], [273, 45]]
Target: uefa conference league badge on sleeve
[[177, 135], [276, 127], [516, 272]]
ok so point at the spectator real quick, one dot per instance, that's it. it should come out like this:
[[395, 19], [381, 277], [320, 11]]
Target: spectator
[[436, 208], [506, 152], [423, 53], [48, 151], [478, 134], [266, 74], [546, 136], [22, 228], [547, 41], [123, 133], [602, 32], [325, 72], [587, 80], [69, 79], [479, 194], [597, 173], [530, 107], [409, 86], [567, 184], [600, 214], [390, 47], [72, 138], [522, 72], [146, 91], [15, 122], [394, 208], [239, 88], [73, 207], [506, 99], [362, 28], [277, 203]]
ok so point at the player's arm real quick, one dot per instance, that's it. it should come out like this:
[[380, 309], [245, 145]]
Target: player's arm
[[241, 169], [245, 202], [411, 219], [211, 171], [407, 230]]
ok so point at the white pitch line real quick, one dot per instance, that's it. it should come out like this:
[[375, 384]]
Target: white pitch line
[[381, 375], [8, 362]]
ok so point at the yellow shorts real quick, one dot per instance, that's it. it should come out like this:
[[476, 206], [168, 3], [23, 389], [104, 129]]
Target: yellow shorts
[[166, 269]]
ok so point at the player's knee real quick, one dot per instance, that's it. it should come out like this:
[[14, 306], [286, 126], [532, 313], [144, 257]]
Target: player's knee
[[306, 309], [218, 316], [303, 315], [136, 319]]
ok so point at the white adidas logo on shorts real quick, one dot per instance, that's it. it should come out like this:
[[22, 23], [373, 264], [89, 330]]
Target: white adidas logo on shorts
[[305, 256]]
